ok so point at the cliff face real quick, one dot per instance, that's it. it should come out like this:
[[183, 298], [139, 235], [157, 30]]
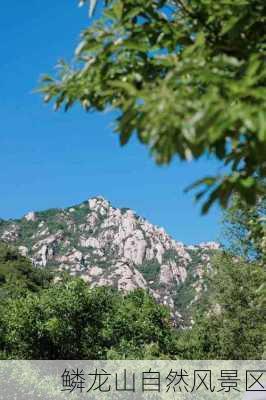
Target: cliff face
[[110, 246]]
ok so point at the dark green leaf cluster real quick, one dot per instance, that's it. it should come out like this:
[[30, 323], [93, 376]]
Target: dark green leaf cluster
[[71, 321], [17, 275], [150, 269]]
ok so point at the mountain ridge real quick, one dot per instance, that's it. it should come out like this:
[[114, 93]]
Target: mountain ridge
[[109, 246]]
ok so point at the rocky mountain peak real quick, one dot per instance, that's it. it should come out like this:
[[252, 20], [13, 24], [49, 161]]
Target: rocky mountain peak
[[30, 216], [105, 245]]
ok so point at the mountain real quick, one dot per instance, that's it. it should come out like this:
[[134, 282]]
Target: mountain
[[110, 246]]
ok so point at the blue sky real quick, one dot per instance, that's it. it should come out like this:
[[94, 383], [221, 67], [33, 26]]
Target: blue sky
[[50, 159]]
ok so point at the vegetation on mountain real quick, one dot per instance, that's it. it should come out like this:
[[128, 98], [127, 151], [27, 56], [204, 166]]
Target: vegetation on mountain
[[231, 324], [188, 78], [17, 275], [71, 321]]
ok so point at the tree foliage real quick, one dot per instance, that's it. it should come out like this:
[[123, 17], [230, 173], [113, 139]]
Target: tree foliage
[[245, 229], [230, 323], [17, 275], [229, 320], [234, 324], [188, 77], [71, 321], [17, 279]]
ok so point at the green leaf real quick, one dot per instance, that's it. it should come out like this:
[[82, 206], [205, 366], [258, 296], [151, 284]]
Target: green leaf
[[211, 199], [136, 45], [208, 181], [262, 126], [247, 182], [118, 9]]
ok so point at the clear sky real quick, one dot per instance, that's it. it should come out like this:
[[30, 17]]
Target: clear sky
[[50, 159]]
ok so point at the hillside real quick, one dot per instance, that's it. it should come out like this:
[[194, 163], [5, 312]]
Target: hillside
[[108, 246]]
